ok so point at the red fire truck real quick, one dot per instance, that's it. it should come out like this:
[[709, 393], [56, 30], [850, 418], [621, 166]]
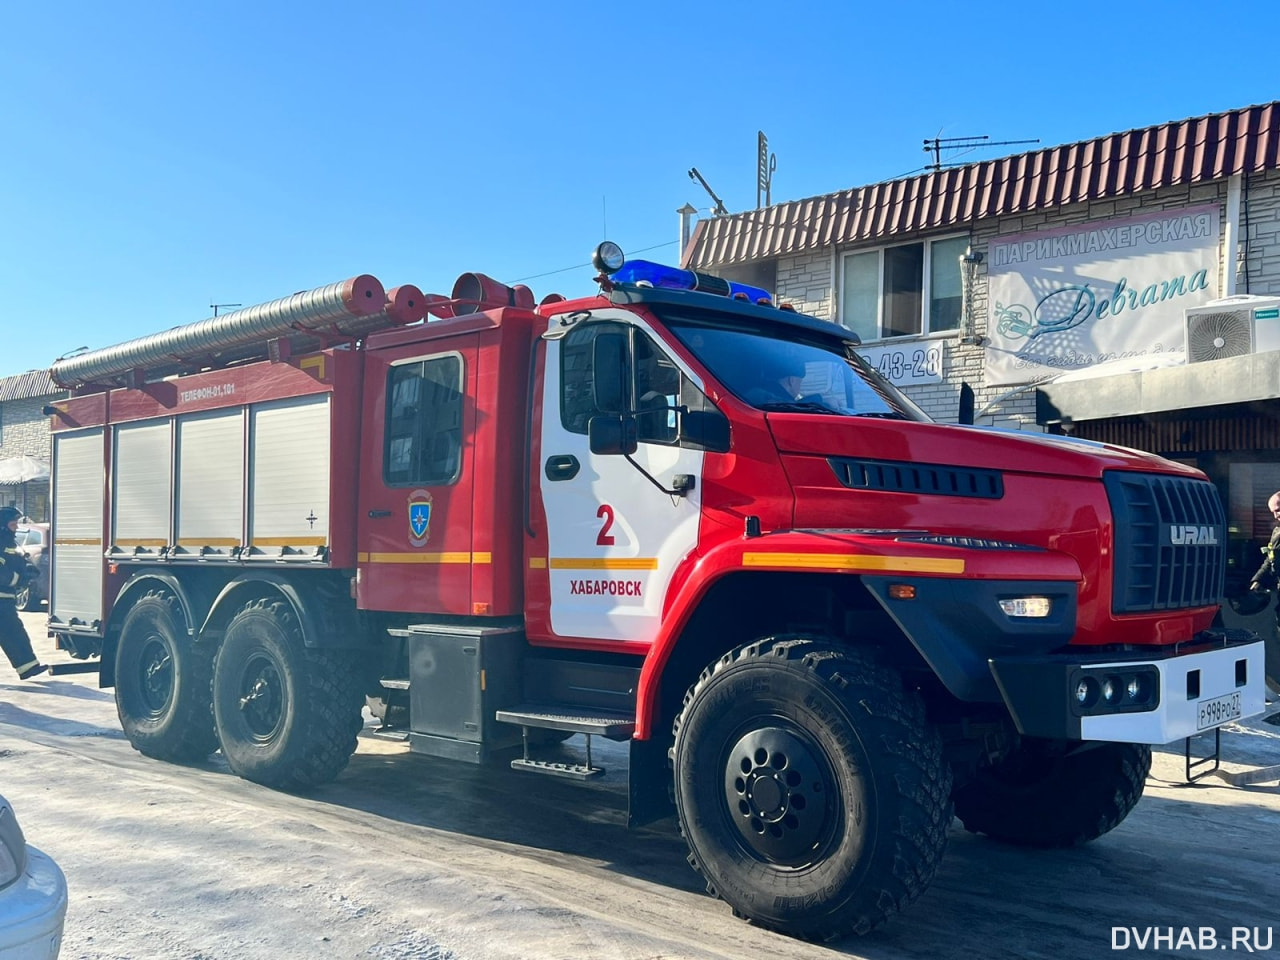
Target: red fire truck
[[673, 514]]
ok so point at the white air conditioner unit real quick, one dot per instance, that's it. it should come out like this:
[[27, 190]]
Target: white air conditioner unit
[[1232, 327]]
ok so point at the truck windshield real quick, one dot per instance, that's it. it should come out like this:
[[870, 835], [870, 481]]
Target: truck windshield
[[775, 367]]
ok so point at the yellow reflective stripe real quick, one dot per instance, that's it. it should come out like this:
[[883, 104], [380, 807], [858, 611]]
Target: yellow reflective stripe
[[141, 542], [845, 561], [288, 541], [604, 563], [208, 541], [452, 557], [72, 542], [537, 563]]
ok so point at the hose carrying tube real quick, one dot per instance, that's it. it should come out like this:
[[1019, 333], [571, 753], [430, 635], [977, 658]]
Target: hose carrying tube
[[318, 309]]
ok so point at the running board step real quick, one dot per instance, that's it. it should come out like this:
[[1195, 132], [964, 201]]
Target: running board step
[[590, 721], [571, 771], [392, 684], [593, 722]]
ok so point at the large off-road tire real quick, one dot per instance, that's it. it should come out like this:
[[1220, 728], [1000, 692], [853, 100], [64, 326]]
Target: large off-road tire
[[287, 716], [1053, 794], [162, 682], [810, 788]]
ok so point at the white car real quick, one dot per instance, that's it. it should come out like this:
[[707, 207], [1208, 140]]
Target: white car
[[33, 896]]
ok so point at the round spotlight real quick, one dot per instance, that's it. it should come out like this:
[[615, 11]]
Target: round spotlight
[[1109, 690], [1087, 692], [608, 258]]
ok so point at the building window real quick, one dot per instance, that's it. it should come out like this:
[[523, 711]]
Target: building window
[[424, 422], [904, 290]]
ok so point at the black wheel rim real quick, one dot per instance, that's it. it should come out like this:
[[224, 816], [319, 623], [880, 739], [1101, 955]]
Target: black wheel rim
[[155, 676], [260, 697], [779, 789]]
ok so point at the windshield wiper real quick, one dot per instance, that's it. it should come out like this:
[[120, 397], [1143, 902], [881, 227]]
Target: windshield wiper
[[881, 414]]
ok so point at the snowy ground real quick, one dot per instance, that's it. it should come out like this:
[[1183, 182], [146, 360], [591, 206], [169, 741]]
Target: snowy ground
[[410, 858]]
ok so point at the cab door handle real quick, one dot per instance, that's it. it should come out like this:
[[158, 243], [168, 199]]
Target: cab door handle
[[563, 466], [377, 514]]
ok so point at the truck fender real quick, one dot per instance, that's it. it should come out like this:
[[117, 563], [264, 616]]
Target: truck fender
[[840, 553], [192, 597], [324, 623]]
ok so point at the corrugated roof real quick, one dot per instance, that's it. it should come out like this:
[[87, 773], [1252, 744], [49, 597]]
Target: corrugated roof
[[23, 386], [1180, 152]]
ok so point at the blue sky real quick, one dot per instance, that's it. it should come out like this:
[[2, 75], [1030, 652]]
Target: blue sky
[[162, 157]]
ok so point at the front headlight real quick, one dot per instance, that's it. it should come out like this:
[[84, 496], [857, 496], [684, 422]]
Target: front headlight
[[13, 847]]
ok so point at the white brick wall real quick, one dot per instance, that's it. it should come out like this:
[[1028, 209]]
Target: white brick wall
[[808, 282], [24, 429]]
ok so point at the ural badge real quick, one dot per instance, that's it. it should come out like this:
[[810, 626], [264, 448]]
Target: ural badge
[[419, 517]]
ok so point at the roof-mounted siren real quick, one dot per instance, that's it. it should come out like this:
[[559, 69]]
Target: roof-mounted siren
[[474, 292], [1232, 327]]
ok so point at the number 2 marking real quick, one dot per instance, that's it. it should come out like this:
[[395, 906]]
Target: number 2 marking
[[605, 538]]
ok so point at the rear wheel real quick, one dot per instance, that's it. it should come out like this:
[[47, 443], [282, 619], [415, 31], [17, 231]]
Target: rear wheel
[[162, 683], [287, 716], [1050, 793], [810, 788]]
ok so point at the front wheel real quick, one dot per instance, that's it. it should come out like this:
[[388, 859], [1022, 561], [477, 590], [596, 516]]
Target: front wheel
[[287, 716], [1051, 793], [810, 788], [162, 683]]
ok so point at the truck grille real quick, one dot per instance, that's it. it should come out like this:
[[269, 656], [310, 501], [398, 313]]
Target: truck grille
[[1170, 542]]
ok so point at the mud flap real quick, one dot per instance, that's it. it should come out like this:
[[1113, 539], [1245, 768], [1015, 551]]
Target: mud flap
[[648, 776]]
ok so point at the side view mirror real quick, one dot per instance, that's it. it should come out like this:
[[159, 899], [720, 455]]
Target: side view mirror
[[613, 435], [609, 372], [705, 429]]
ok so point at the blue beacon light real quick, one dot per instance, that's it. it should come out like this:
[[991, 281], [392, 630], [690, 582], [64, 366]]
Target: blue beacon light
[[673, 278]]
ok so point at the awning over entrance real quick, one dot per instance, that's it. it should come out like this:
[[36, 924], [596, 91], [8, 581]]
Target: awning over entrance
[[1207, 384]]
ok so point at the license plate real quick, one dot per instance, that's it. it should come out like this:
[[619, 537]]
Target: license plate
[[1212, 713]]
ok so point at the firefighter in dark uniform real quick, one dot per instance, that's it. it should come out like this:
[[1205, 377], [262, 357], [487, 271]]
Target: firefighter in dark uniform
[[1265, 580], [15, 572], [1267, 576]]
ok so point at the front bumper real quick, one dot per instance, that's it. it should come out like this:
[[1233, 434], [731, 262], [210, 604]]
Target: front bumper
[[1185, 690]]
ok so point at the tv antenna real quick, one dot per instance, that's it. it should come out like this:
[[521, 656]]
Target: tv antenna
[[214, 306], [766, 163], [719, 209], [935, 146]]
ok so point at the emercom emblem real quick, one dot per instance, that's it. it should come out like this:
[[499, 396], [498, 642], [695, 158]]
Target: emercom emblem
[[419, 517]]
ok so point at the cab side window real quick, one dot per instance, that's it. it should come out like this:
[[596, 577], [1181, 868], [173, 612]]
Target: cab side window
[[424, 422], [656, 386], [577, 400]]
